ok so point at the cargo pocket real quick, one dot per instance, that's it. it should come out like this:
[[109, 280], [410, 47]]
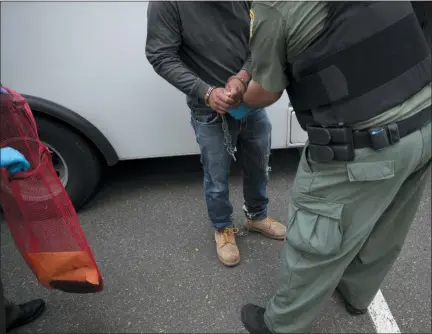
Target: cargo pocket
[[315, 225], [370, 171]]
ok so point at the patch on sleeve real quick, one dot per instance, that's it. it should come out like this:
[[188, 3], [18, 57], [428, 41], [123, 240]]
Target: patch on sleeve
[[251, 14]]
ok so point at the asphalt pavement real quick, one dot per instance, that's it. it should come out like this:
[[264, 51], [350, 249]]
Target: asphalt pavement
[[150, 234]]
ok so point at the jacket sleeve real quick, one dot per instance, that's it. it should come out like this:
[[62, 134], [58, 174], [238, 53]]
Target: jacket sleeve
[[164, 40]]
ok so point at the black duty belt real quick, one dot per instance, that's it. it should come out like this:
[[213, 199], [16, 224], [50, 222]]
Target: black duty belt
[[328, 144]]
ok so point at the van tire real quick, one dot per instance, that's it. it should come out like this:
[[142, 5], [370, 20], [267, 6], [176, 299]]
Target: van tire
[[82, 162]]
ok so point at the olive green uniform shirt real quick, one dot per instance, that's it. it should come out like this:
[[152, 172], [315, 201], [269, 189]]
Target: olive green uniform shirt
[[281, 30]]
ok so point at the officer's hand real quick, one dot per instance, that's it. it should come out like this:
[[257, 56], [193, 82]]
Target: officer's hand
[[237, 89], [13, 160], [220, 100]]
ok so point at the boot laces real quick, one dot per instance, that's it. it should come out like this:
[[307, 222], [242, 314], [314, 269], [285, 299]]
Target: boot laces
[[269, 221], [228, 235]]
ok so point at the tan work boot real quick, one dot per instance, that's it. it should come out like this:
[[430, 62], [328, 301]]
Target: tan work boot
[[268, 227], [226, 246]]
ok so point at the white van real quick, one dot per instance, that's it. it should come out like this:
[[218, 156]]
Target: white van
[[96, 99]]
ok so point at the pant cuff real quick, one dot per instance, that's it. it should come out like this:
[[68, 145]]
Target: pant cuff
[[222, 227], [255, 214]]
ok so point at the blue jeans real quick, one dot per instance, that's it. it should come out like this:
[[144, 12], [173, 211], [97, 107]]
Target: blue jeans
[[252, 137]]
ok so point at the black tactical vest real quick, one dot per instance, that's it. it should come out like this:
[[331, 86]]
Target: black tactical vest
[[370, 57]]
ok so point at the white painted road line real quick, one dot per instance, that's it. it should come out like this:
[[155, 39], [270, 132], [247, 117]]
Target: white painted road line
[[381, 315]]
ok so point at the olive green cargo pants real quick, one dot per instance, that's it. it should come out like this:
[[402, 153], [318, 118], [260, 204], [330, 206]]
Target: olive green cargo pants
[[347, 224]]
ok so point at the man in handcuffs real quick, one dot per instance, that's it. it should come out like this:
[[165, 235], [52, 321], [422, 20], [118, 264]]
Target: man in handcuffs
[[202, 49]]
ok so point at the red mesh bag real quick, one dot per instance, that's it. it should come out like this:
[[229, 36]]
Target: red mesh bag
[[38, 211]]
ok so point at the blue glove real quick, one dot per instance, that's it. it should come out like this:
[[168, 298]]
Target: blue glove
[[3, 91], [13, 160], [238, 112]]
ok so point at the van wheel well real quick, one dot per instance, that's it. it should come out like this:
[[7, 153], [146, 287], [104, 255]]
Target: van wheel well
[[74, 122], [75, 159], [54, 119]]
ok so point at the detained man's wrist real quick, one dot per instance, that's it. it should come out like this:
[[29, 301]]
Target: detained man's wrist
[[201, 89], [239, 79]]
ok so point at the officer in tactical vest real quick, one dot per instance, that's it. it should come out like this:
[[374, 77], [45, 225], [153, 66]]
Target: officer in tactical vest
[[358, 75]]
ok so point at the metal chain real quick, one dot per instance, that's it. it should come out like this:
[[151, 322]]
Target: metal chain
[[227, 138], [243, 229]]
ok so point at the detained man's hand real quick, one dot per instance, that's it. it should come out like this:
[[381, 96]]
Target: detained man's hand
[[220, 100], [237, 89]]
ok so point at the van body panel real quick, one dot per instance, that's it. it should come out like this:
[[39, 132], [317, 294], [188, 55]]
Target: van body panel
[[90, 58]]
